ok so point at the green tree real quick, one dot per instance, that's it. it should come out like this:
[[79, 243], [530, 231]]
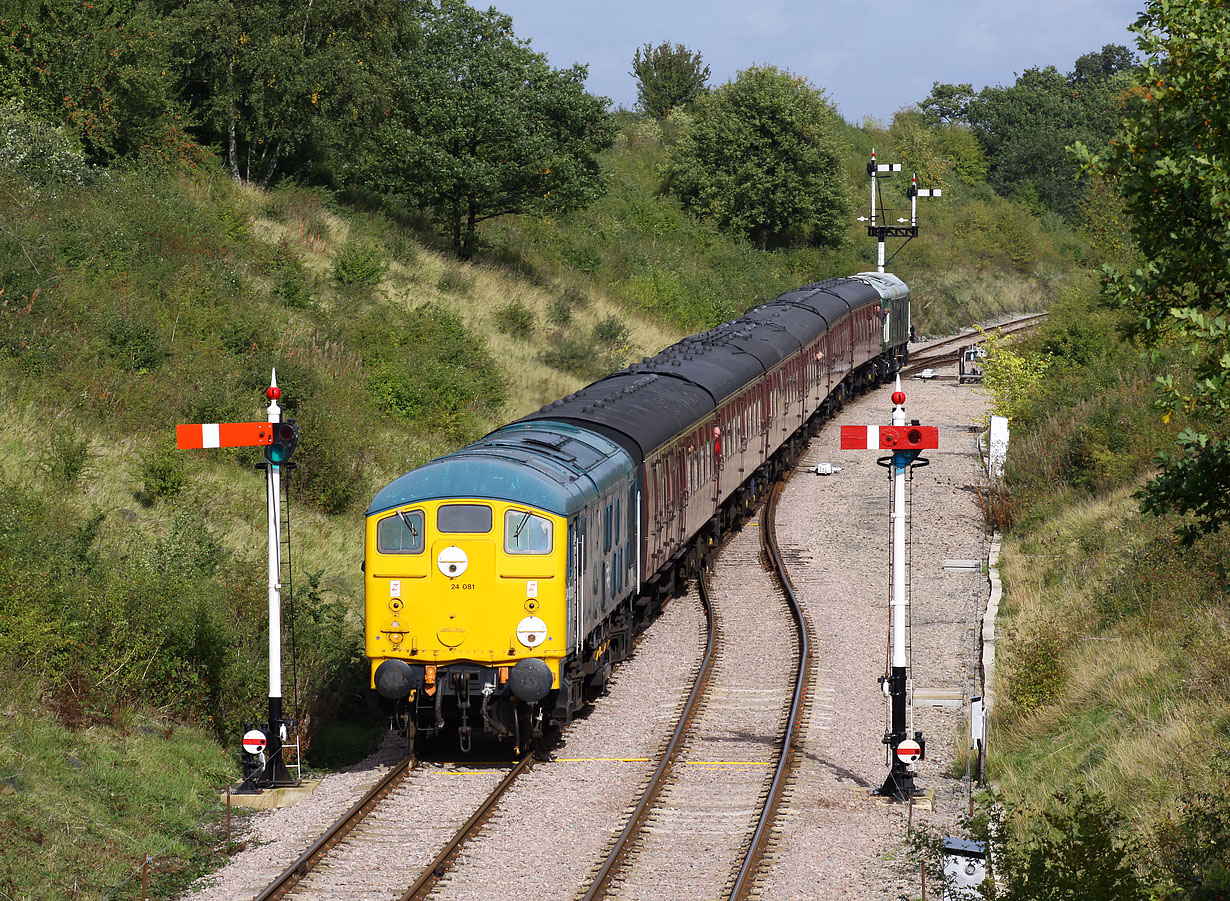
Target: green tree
[[1171, 163], [482, 126], [1026, 128], [102, 70], [947, 103], [1012, 377], [269, 79], [762, 158], [667, 77]]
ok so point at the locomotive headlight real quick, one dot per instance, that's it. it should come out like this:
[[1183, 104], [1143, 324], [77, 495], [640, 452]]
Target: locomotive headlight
[[452, 561], [531, 631]]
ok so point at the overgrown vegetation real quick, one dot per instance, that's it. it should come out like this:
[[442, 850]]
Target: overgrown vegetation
[[1116, 621], [145, 282]]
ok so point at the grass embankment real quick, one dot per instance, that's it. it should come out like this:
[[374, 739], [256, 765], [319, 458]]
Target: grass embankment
[[131, 577], [1112, 676], [82, 806]]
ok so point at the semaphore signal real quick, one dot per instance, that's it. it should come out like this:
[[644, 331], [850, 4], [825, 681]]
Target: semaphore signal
[[906, 440], [279, 439], [905, 228]]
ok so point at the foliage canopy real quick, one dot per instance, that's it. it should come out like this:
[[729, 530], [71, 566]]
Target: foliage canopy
[[271, 78], [1171, 163], [1026, 128], [762, 158], [667, 77], [481, 126]]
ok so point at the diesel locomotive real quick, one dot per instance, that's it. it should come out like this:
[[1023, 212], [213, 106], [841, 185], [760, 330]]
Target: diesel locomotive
[[504, 580]]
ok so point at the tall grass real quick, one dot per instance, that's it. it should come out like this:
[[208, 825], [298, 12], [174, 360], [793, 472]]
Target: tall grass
[[1112, 669]]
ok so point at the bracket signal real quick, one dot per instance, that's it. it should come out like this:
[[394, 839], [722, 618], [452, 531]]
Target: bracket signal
[[881, 232]]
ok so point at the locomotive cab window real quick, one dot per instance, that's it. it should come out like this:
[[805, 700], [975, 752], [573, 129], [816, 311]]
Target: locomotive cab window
[[401, 533], [463, 518], [526, 533]]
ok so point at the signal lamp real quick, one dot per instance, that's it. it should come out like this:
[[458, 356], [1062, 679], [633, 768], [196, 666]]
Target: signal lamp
[[285, 439]]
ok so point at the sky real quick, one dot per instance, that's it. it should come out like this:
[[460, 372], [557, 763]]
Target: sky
[[871, 58]]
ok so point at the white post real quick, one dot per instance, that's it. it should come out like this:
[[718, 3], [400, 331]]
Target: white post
[[899, 599], [873, 189], [273, 480]]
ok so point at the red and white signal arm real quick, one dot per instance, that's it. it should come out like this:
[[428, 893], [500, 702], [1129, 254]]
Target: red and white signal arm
[[889, 437], [254, 741], [909, 751], [201, 436]]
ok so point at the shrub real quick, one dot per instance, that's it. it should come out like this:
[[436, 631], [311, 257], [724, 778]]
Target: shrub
[[67, 455], [132, 342], [590, 356], [433, 369], [515, 319], [455, 280], [559, 312], [359, 265], [38, 152], [1036, 663], [163, 474]]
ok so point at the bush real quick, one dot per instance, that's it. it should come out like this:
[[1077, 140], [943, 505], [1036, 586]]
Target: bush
[[1036, 662], [40, 153], [434, 370], [559, 312], [515, 319], [455, 280], [67, 456], [164, 474], [359, 265], [590, 356]]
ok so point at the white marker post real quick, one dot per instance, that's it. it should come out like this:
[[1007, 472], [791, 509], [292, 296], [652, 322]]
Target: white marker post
[[905, 440]]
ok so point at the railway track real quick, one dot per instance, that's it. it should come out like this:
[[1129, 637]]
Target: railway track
[[365, 853], [723, 769], [719, 783], [947, 350]]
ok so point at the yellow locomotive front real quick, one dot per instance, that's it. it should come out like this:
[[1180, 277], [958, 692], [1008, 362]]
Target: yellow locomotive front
[[486, 583], [459, 592]]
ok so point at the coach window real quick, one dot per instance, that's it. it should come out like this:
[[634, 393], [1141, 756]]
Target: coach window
[[525, 533], [401, 533], [463, 518]]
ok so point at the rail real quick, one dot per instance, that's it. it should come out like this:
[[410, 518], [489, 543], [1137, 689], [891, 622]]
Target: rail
[[609, 866], [781, 772], [335, 833]]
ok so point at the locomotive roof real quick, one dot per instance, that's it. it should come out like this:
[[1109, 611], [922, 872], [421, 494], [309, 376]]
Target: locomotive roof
[[550, 465]]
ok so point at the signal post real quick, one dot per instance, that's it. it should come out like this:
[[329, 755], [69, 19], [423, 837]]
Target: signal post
[[263, 764], [906, 441]]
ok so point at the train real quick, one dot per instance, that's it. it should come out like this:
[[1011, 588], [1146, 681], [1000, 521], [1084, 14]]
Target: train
[[504, 580]]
